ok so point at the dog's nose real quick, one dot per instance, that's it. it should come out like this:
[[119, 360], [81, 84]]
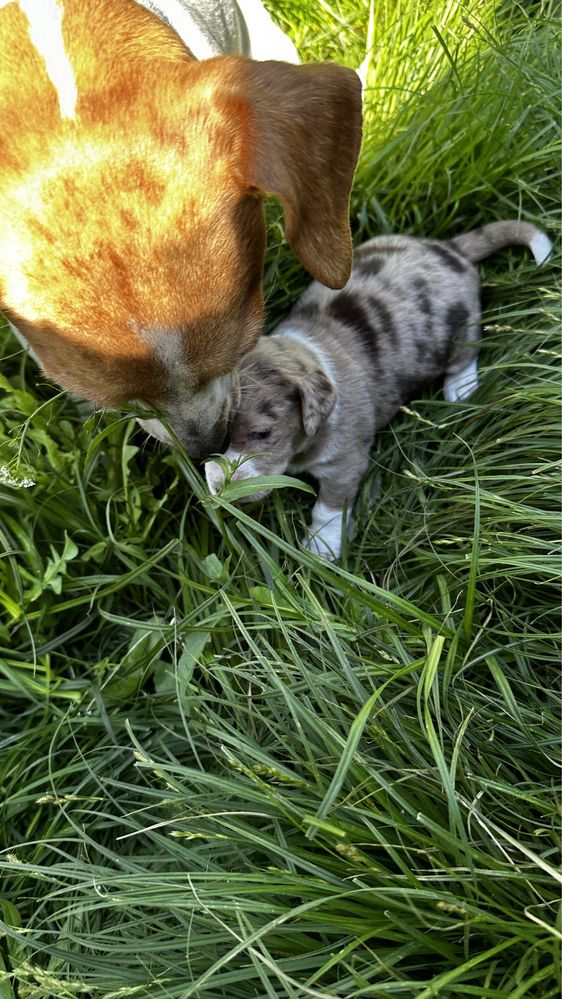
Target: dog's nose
[[198, 451], [200, 445]]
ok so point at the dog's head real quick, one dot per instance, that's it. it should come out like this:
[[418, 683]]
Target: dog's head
[[285, 398], [133, 232]]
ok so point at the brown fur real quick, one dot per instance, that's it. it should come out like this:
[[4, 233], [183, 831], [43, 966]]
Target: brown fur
[[144, 212]]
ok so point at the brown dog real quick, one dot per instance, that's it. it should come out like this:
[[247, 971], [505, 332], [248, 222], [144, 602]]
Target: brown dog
[[131, 182]]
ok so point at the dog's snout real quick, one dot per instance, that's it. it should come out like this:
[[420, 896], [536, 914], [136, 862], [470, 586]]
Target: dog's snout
[[216, 444], [197, 453]]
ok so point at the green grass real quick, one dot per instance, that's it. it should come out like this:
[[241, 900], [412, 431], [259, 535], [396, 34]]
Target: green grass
[[230, 770]]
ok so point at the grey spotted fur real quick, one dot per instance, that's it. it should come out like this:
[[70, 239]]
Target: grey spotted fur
[[340, 366]]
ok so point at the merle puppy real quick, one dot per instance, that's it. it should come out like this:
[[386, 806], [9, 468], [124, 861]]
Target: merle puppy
[[316, 390]]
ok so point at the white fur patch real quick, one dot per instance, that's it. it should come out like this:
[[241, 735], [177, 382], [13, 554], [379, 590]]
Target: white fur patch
[[267, 41], [215, 475], [156, 429], [242, 28], [540, 247], [324, 536], [45, 30], [462, 384]]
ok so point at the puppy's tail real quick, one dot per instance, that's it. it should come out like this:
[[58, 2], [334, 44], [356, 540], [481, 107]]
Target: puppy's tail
[[480, 243]]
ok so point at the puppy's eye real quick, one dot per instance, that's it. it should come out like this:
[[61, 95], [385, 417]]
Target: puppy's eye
[[260, 435]]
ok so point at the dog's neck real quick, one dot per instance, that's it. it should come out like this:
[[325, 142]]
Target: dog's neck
[[206, 27], [224, 27]]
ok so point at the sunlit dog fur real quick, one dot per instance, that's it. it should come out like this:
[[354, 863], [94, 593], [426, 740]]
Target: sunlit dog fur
[[132, 179], [314, 393]]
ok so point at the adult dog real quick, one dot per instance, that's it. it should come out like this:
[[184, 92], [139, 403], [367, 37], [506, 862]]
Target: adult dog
[[132, 176]]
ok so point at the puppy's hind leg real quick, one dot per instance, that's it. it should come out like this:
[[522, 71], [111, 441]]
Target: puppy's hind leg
[[461, 373], [461, 384]]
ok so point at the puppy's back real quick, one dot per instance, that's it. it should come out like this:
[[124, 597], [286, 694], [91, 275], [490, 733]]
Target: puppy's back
[[407, 304]]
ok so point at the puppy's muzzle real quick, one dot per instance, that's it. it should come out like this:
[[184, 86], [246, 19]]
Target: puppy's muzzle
[[247, 469]]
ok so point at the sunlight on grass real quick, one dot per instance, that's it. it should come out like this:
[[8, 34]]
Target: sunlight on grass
[[232, 770]]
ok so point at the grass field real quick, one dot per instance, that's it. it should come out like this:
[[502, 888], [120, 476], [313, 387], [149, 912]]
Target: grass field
[[230, 770]]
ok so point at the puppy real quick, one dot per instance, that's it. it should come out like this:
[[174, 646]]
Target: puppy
[[314, 393], [132, 177]]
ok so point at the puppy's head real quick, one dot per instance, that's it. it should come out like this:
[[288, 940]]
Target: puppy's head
[[285, 398], [132, 231]]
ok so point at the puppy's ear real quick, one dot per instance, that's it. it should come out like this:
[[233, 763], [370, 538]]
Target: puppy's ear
[[303, 133], [318, 398]]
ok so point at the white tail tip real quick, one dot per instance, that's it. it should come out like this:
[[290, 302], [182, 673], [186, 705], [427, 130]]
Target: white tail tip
[[540, 247]]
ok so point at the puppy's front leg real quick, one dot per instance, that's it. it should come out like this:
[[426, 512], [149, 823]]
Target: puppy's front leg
[[325, 531], [328, 522]]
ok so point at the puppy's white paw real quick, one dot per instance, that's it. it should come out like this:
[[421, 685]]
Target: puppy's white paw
[[463, 384], [319, 545], [324, 537]]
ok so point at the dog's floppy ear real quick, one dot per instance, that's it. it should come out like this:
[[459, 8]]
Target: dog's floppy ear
[[318, 398], [303, 138]]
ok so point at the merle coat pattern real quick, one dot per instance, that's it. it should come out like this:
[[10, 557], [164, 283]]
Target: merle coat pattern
[[314, 393]]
